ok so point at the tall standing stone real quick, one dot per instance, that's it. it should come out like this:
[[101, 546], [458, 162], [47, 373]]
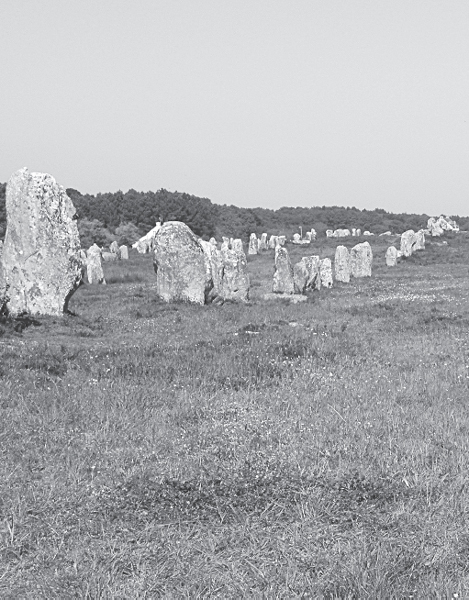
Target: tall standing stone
[[361, 258], [407, 242], [273, 241], [419, 240], [94, 265], [391, 256], [179, 264], [283, 275], [253, 244], [225, 243], [325, 272], [114, 248], [235, 281], [124, 252], [41, 261], [263, 242], [342, 266], [306, 274]]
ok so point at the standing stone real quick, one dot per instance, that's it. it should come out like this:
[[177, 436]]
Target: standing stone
[[391, 256], [109, 257], [213, 241], [407, 242], [225, 243], [325, 272], [273, 241], [283, 276], [235, 281], [313, 234], [354, 231], [358, 232], [263, 242], [329, 233], [41, 262], [361, 258], [342, 266], [281, 240], [124, 252], [253, 244], [308, 236], [296, 238], [2, 279], [114, 247], [94, 265], [419, 240], [145, 243], [306, 274], [237, 246], [179, 264]]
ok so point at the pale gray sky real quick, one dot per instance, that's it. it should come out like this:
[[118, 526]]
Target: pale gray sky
[[250, 102]]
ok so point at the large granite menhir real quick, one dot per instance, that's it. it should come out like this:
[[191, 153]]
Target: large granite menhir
[[41, 260]]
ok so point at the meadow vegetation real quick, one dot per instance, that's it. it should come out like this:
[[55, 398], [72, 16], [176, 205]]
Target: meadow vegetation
[[317, 450]]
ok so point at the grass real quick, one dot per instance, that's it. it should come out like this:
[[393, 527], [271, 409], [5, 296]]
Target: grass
[[317, 450]]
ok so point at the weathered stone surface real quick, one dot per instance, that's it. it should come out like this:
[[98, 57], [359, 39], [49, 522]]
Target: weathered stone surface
[[407, 242], [263, 242], [225, 243], [342, 264], [367, 233], [145, 243], [2, 279], [313, 234], [41, 262], [296, 238], [329, 233], [273, 242], [179, 264], [391, 256], [325, 272], [419, 240], [306, 274], [253, 244], [235, 281], [213, 241], [94, 266], [361, 258], [124, 252], [283, 276], [114, 247], [281, 240], [110, 257], [308, 236], [238, 246]]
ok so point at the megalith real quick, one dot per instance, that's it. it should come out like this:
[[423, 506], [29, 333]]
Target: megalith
[[238, 246], [391, 256], [225, 243], [124, 252], [342, 265], [263, 242], [41, 261], [114, 248], [306, 274], [325, 272], [283, 275], [407, 242], [253, 244], [361, 259], [179, 264], [94, 265], [235, 280], [273, 242], [419, 240]]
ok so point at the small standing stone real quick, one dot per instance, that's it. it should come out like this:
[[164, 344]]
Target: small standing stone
[[325, 271], [124, 252], [342, 266], [306, 274], [238, 246], [361, 258], [94, 265], [273, 241], [235, 281], [283, 276], [114, 247], [281, 240], [407, 242], [253, 244], [391, 256], [419, 240], [225, 243]]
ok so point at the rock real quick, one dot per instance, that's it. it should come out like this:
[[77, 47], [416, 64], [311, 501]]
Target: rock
[[124, 252], [308, 236], [235, 281], [341, 233], [41, 262], [179, 264], [434, 226], [283, 276], [94, 266], [145, 243], [354, 232], [367, 233], [342, 266], [407, 242], [114, 247], [329, 233], [358, 232], [281, 240], [273, 242], [419, 240], [313, 234], [213, 241], [2, 279], [213, 270], [293, 298], [296, 238], [94, 249], [263, 242], [306, 274], [237, 246], [225, 243], [253, 244], [361, 258], [391, 256], [385, 233], [109, 257], [325, 272]]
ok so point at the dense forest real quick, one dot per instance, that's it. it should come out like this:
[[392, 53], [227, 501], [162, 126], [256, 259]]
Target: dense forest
[[127, 216]]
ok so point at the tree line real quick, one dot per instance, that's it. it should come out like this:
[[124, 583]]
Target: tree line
[[127, 216]]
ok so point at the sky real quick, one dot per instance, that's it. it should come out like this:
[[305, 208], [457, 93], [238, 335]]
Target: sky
[[266, 103]]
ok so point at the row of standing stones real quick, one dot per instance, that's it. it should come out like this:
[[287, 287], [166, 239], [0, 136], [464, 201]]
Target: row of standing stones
[[42, 263]]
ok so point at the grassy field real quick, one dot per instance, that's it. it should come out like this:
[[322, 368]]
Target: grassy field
[[318, 450]]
